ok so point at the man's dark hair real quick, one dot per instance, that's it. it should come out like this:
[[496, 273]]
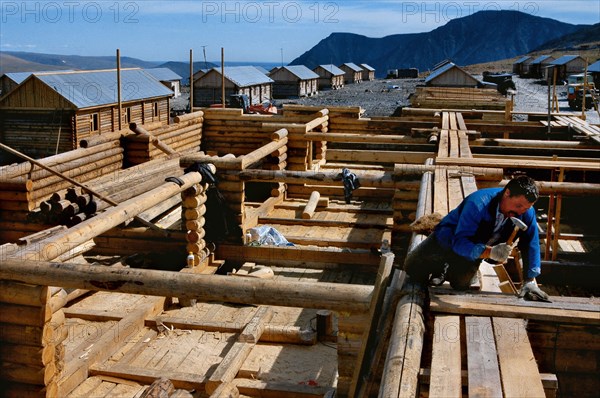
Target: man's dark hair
[[523, 185]]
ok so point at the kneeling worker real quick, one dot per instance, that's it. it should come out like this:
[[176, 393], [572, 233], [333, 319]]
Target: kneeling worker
[[478, 229]]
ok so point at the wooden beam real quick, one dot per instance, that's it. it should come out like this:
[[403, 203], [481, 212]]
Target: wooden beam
[[482, 358], [333, 296], [445, 378]]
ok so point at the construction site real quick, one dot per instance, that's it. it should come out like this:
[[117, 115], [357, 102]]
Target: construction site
[[222, 254]]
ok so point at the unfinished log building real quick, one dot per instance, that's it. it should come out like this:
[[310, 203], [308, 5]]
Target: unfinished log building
[[50, 113], [82, 315], [352, 72]]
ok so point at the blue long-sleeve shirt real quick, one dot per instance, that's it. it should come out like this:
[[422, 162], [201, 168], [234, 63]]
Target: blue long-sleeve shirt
[[468, 228]]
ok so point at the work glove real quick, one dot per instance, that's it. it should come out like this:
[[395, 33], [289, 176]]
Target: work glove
[[532, 292], [500, 252]]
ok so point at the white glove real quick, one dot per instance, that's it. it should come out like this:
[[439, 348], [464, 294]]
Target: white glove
[[531, 291], [500, 252]]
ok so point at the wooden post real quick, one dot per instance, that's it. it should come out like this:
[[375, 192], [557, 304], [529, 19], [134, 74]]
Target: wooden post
[[222, 77], [585, 83], [120, 104], [191, 81], [139, 130]]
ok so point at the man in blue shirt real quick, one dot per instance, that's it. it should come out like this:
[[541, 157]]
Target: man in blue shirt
[[478, 229]]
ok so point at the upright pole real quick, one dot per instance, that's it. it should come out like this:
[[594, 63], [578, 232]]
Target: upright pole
[[585, 83], [119, 89], [223, 77], [549, 102], [191, 80]]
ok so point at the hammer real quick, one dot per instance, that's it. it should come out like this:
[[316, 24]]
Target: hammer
[[519, 226]]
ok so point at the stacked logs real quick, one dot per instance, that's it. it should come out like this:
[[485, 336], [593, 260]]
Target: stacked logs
[[32, 331], [184, 136], [23, 187], [74, 205], [193, 203]]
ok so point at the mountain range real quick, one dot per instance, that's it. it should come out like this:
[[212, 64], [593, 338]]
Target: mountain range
[[484, 36], [481, 37]]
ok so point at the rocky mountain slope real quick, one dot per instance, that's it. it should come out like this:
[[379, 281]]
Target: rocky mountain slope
[[483, 36]]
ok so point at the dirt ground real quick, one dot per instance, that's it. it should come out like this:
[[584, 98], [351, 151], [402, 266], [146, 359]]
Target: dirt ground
[[382, 97]]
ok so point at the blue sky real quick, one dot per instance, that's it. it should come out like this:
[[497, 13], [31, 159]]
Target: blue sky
[[248, 30]]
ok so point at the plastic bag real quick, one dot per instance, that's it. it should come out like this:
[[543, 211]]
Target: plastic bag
[[266, 235]]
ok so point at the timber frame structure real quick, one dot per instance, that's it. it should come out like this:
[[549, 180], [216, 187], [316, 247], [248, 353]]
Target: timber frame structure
[[333, 315]]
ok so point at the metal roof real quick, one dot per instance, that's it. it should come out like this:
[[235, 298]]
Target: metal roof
[[540, 59], [565, 59], [263, 70], [522, 59], [352, 66], [19, 77], [334, 70], [301, 72], [443, 69], [367, 67], [595, 67], [86, 89], [163, 74], [244, 76]]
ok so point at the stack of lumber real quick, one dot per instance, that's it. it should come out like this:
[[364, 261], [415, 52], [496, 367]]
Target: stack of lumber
[[579, 126], [184, 136], [73, 205], [24, 187], [32, 326], [458, 98]]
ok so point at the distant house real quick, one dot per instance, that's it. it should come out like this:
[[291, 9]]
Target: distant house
[[565, 66], [238, 80], [352, 72], [539, 65], [451, 75], [167, 77], [294, 81], [57, 110], [594, 69], [368, 72], [330, 76], [521, 66]]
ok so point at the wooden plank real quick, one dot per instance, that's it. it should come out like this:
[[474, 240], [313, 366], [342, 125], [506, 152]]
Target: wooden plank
[[518, 369], [187, 381], [455, 191], [511, 307], [592, 165], [443, 144], [445, 361], [440, 192], [465, 150], [482, 359], [454, 145]]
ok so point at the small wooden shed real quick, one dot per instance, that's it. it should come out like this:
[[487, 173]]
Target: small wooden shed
[[330, 76], [539, 65], [294, 81], [238, 80], [594, 69], [368, 72], [521, 66], [565, 66], [352, 72], [53, 112], [451, 75], [168, 78]]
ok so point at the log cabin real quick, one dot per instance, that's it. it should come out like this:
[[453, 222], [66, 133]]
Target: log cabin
[[451, 75], [294, 81], [539, 65], [238, 80], [521, 65], [565, 66], [51, 112], [352, 72], [330, 76], [368, 72]]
